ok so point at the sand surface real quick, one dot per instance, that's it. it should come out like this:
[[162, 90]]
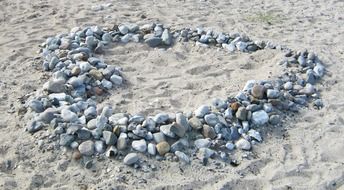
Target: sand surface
[[306, 153]]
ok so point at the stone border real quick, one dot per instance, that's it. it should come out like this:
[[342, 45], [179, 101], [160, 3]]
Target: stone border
[[67, 102]]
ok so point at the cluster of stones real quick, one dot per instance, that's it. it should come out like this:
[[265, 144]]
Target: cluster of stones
[[68, 101]]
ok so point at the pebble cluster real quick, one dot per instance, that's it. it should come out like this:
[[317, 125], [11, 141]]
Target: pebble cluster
[[68, 102]]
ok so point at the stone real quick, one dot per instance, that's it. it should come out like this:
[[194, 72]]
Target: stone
[[111, 152], [319, 70], [219, 104], [202, 111], [159, 137], [243, 144], [84, 134], [195, 123], [208, 132], [230, 146], [153, 41], [109, 138], [106, 84], [68, 116], [91, 124], [180, 145], [211, 119], [258, 91], [123, 29], [99, 147], [90, 112], [130, 159], [36, 106], [66, 140], [234, 134], [117, 80], [151, 149], [182, 157], [178, 129], [55, 86], [96, 74], [182, 121], [162, 148], [139, 145], [166, 130], [255, 135], [91, 42], [166, 37], [122, 143], [260, 117], [274, 119], [241, 113], [86, 148], [288, 85], [161, 118], [272, 94], [308, 89], [136, 119], [204, 153], [202, 143]]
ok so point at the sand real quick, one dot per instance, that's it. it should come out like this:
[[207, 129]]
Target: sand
[[306, 153]]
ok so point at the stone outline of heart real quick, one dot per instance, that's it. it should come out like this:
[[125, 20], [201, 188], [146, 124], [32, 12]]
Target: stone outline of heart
[[92, 40]]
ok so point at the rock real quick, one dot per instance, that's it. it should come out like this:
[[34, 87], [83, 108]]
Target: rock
[[243, 144], [153, 41], [122, 143], [166, 37], [260, 117], [274, 119], [204, 153], [139, 145], [308, 89], [241, 114], [180, 145], [117, 80], [255, 135], [55, 86], [288, 85], [130, 159], [208, 132], [151, 149], [91, 42], [85, 66], [162, 148], [258, 91], [230, 146], [272, 94], [90, 112], [229, 47], [211, 119], [111, 152], [66, 140], [178, 129], [87, 148], [219, 104], [136, 119], [92, 124], [47, 116], [36, 106], [202, 143], [318, 103], [202, 111], [302, 61], [195, 123], [182, 121], [96, 74], [123, 29], [68, 116], [228, 113], [83, 134], [234, 134], [109, 137], [106, 84], [319, 70], [182, 157], [161, 118], [166, 130], [159, 137], [99, 147]]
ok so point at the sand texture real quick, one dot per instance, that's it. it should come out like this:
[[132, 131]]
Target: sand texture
[[306, 153]]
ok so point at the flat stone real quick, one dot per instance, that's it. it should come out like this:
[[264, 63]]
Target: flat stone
[[86, 148], [55, 86], [166, 130], [211, 119], [243, 144], [153, 41], [130, 159], [260, 117], [68, 115], [139, 145], [178, 129], [66, 140], [205, 153], [36, 106], [117, 80], [159, 137], [272, 94], [162, 148], [195, 123]]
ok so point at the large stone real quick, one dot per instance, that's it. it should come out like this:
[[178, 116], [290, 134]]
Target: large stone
[[87, 148], [258, 91], [153, 41], [166, 130], [182, 120], [166, 37], [139, 145], [130, 159], [243, 144], [255, 135], [208, 132], [151, 149], [202, 111], [195, 123], [55, 86], [211, 119], [162, 148], [178, 129], [109, 137], [241, 113], [260, 117], [159, 137], [161, 118]]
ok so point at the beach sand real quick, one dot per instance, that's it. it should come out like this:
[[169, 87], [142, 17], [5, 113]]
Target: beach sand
[[307, 152]]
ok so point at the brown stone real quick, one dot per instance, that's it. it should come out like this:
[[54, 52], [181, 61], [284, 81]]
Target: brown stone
[[208, 132], [163, 148], [75, 71], [258, 91], [235, 106], [76, 155], [96, 74], [195, 123]]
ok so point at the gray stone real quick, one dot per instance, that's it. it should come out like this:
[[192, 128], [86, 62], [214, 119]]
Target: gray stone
[[91, 42], [195, 123], [55, 86], [260, 117], [243, 144], [288, 85], [182, 157], [202, 143], [166, 37], [139, 145], [84, 134], [90, 112], [68, 116], [211, 119], [66, 140], [166, 130], [208, 132], [106, 84], [99, 147], [109, 137], [178, 129], [274, 119], [161, 118], [308, 89], [182, 120], [272, 94], [115, 79], [205, 153], [302, 61], [153, 41], [230, 146], [255, 135], [92, 124], [228, 113], [130, 159], [159, 137], [234, 135], [136, 119], [241, 113], [180, 145], [151, 149], [319, 70], [123, 29], [36, 106], [202, 111], [87, 148], [111, 152], [219, 104], [122, 143]]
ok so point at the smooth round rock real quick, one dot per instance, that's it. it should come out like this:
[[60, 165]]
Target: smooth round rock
[[151, 149], [195, 123], [130, 159], [258, 91], [208, 132], [162, 148], [243, 144], [211, 119], [139, 145], [86, 148], [260, 117], [241, 113], [202, 111]]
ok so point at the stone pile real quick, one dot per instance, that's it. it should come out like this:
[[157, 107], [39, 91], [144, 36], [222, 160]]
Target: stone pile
[[67, 103]]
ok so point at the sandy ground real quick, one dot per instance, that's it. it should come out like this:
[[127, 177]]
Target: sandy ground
[[306, 153]]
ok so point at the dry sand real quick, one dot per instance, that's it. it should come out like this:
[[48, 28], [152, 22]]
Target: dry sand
[[306, 153]]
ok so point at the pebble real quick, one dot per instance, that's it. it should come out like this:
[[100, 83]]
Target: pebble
[[230, 146], [272, 94], [166, 37], [260, 117], [180, 145], [182, 121], [109, 138], [241, 113], [162, 148], [99, 147], [202, 111], [130, 159], [159, 137], [117, 80], [139, 145], [205, 153], [161, 118], [288, 85], [123, 29], [36, 106], [243, 144], [255, 135], [182, 157], [202, 143], [208, 132], [166, 130], [211, 119], [258, 91], [86, 148], [122, 143], [55, 86], [68, 115], [195, 123], [151, 149], [153, 41], [66, 140], [274, 119], [178, 129]]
